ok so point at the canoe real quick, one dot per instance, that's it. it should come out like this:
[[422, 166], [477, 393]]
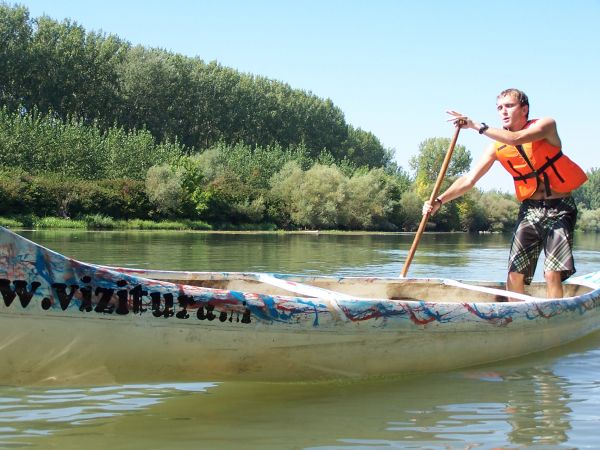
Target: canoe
[[67, 322]]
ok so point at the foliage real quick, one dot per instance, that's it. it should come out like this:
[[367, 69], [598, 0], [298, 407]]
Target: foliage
[[99, 221], [253, 164], [138, 224], [52, 195], [314, 198], [501, 210], [9, 222], [58, 222], [589, 220], [235, 180], [15, 32], [40, 143], [428, 163], [470, 213], [319, 198], [95, 129], [412, 210], [59, 68], [164, 189], [324, 197], [373, 201], [588, 195], [364, 149], [402, 178]]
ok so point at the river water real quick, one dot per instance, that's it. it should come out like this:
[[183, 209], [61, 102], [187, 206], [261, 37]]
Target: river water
[[544, 401]]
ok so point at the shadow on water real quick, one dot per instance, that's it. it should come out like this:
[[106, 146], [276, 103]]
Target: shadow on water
[[534, 401]]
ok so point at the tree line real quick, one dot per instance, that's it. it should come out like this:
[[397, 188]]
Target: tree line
[[61, 69], [90, 124]]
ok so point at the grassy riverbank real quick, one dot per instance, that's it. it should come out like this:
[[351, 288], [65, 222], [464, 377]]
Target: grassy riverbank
[[100, 222]]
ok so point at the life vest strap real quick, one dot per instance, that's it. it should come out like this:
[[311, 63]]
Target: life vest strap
[[535, 173]]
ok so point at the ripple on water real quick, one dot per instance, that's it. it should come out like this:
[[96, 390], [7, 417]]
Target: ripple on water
[[30, 412]]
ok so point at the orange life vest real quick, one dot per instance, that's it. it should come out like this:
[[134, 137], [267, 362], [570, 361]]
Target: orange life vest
[[536, 162]]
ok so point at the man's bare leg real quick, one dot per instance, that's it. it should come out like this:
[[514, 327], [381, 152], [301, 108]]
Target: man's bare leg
[[554, 288], [515, 283]]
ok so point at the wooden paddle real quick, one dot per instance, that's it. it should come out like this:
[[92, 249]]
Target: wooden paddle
[[434, 194]]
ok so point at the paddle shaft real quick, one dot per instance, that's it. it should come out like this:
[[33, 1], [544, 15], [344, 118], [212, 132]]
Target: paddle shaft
[[434, 194]]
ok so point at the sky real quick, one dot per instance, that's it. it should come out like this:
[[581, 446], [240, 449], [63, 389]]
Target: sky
[[392, 66]]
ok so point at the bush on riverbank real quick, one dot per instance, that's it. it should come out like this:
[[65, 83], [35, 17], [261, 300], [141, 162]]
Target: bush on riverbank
[[589, 220], [52, 195], [99, 222]]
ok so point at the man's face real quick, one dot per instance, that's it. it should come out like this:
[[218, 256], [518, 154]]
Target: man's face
[[512, 114]]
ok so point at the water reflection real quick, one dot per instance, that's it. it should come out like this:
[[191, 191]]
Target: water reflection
[[33, 413], [521, 404], [546, 410]]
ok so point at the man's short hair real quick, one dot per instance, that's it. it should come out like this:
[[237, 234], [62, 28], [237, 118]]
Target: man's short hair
[[519, 95]]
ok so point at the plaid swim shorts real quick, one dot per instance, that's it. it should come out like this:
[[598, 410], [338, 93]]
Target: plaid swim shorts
[[548, 225]]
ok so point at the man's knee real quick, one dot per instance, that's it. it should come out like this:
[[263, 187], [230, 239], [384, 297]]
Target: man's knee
[[516, 277], [515, 282], [554, 287], [553, 277]]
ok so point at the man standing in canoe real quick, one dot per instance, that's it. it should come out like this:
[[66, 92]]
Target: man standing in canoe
[[544, 177]]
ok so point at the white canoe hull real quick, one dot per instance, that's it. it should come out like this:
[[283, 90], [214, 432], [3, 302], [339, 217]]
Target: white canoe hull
[[174, 331]]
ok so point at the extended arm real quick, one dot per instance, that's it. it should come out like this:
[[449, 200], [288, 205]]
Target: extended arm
[[465, 182], [542, 129]]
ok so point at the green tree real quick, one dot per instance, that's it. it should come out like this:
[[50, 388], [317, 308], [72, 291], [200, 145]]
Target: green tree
[[373, 201], [589, 220], [588, 195], [44, 143], [164, 189], [73, 73], [412, 210], [284, 185], [61, 69], [471, 214], [313, 199], [15, 36], [428, 163], [500, 209], [364, 149], [157, 93]]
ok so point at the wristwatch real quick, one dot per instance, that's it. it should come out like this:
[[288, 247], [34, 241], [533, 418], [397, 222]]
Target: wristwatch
[[483, 128]]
